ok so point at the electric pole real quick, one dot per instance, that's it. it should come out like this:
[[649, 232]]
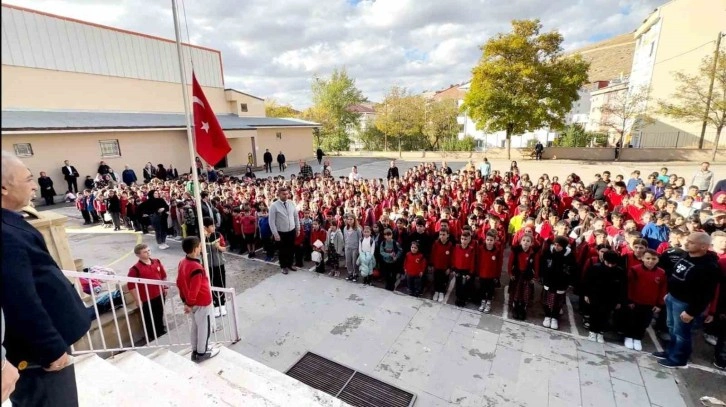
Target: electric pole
[[710, 91]]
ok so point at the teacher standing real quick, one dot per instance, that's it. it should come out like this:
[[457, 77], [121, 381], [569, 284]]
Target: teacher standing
[[44, 315], [285, 225]]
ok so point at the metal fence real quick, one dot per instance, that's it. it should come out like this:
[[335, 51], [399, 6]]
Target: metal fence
[[122, 320], [677, 139]]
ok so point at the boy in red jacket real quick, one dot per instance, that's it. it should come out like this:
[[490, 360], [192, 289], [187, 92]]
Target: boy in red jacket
[[196, 295], [414, 266], [489, 267], [462, 263], [249, 231], [440, 258], [647, 286]]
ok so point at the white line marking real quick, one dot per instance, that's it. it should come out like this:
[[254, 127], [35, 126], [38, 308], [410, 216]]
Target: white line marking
[[571, 316], [654, 338], [452, 284], [708, 369], [505, 312]]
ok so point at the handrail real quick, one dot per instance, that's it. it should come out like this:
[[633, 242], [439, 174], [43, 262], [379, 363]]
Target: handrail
[[159, 331]]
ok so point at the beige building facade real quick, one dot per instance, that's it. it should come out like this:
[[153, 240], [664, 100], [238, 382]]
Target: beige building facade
[[674, 38], [77, 91]]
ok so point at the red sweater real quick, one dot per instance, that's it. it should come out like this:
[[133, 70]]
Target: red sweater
[[237, 224], [647, 287], [193, 283], [415, 264], [153, 271], [464, 258], [319, 234], [441, 255], [489, 262]]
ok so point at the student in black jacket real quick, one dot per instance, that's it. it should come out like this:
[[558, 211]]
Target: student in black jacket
[[556, 266], [691, 288], [605, 289], [44, 315]]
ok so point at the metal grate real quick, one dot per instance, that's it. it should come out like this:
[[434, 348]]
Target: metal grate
[[349, 385]]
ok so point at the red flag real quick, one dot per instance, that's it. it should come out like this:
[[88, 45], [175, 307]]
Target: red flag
[[212, 144]]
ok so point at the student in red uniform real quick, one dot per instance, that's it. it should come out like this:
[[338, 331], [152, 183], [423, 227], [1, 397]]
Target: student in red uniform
[[249, 231], [196, 296], [462, 263], [150, 298], [414, 266], [647, 286], [522, 270], [237, 243], [318, 234], [440, 261], [489, 268]]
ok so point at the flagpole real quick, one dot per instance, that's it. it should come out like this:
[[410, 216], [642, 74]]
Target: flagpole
[[190, 139]]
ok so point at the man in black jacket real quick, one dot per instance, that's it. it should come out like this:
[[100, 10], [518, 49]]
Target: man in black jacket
[[71, 175], [281, 161], [46, 188], [267, 158], [393, 171], [44, 315], [691, 287]]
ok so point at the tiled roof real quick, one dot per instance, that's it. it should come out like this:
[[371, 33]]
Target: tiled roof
[[609, 58], [360, 109], [19, 120]]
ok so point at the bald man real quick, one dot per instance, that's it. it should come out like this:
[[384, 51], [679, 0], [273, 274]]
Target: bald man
[[691, 287], [44, 315]]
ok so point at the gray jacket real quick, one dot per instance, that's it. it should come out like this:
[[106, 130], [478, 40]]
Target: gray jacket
[[214, 256], [352, 238]]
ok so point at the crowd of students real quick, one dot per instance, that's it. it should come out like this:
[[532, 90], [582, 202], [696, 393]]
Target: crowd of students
[[615, 243]]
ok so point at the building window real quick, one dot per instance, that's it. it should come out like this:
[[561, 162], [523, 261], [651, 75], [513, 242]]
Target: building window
[[23, 150], [652, 45], [243, 107], [110, 148], [279, 135]]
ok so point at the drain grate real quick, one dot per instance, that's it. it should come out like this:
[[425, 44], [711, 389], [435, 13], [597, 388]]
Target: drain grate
[[349, 385]]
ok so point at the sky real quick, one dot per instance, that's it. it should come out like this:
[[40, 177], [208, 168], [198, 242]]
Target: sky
[[273, 49]]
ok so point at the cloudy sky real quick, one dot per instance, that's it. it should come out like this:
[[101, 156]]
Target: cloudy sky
[[273, 48]]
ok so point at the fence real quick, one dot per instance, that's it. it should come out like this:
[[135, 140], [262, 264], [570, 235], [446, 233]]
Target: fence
[[676, 139], [117, 329]]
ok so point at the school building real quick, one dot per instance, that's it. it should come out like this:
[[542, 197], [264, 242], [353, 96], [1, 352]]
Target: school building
[[77, 91]]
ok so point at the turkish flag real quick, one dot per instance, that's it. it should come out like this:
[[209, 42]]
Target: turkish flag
[[211, 143]]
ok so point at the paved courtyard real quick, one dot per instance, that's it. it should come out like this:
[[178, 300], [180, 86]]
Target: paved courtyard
[[447, 355]]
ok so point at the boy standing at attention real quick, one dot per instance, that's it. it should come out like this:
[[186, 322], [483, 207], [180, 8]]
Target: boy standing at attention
[[195, 293]]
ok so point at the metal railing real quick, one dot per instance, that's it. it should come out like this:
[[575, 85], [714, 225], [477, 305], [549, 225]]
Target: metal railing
[[124, 318]]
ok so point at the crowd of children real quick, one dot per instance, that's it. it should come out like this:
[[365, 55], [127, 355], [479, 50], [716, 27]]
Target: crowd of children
[[614, 241]]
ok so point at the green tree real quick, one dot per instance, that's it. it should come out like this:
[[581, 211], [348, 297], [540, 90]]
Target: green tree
[[274, 109], [401, 117], [372, 138], [624, 112], [574, 135], [523, 81], [331, 98], [440, 122], [690, 100]]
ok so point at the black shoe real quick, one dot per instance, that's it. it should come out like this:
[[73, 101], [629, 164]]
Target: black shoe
[[721, 367], [284, 271], [460, 303], [349, 278], [205, 356], [660, 355], [671, 364], [355, 279]]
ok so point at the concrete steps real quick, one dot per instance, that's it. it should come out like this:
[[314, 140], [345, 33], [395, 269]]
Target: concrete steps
[[166, 378]]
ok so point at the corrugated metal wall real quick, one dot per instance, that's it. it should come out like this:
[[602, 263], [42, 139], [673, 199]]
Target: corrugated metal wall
[[40, 41]]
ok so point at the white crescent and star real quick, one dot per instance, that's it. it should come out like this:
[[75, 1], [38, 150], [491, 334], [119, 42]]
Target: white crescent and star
[[205, 126], [197, 100]]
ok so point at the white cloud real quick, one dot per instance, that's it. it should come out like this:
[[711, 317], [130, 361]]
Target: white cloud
[[272, 49]]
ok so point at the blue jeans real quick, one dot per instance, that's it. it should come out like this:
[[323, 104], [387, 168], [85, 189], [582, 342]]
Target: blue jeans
[[679, 348]]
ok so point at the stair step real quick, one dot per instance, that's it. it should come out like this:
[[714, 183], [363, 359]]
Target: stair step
[[102, 384], [166, 381], [267, 382], [211, 382]]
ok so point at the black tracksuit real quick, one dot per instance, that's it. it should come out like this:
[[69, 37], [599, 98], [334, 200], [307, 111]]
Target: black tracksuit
[[605, 287]]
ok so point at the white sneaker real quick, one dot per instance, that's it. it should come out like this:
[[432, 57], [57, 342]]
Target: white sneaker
[[637, 345], [223, 310], [163, 247], [592, 337], [436, 297], [441, 297], [216, 312], [547, 322], [628, 343], [710, 339], [488, 307], [555, 324], [600, 338], [482, 306]]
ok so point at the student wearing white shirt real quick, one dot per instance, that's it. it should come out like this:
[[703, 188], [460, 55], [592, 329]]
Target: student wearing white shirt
[[354, 176]]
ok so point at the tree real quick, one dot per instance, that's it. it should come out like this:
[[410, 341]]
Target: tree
[[624, 112], [331, 98], [440, 122], [402, 116], [274, 109], [574, 135], [372, 138], [691, 97], [523, 82]]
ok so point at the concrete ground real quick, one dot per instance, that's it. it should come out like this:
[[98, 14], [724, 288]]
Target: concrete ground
[[447, 355]]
